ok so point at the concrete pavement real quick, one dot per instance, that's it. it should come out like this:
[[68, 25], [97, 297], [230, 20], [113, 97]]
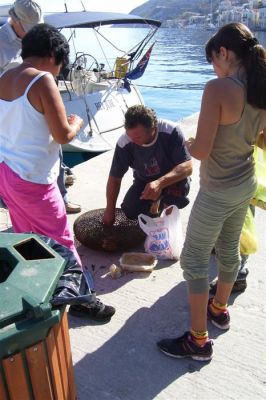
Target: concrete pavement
[[120, 361]]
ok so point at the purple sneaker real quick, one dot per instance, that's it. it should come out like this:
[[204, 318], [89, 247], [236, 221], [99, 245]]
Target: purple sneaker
[[184, 346], [222, 320]]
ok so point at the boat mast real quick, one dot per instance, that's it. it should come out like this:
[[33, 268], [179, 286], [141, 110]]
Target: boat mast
[[84, 9], [82, 4]]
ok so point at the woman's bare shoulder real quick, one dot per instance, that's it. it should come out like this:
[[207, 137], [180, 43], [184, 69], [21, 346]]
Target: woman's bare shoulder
[[221, 83], [214, 88], [46, 86], [46, 80]]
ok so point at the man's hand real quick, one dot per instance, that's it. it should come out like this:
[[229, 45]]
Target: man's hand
[[108, 217], [112, 192], [152, 191]]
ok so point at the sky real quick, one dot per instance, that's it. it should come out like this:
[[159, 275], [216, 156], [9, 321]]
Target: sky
[[123, 6]]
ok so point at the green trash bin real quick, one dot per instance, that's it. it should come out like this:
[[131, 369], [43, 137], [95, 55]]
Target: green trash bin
[[35, 355]]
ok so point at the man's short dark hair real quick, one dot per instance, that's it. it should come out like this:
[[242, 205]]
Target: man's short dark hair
[[140, 115], [44, 40]]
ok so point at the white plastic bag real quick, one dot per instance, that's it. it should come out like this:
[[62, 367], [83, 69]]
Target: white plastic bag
[[164, 234]]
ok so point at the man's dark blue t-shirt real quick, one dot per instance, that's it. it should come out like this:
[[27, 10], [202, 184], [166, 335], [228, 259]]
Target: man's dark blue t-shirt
[[150, 162]]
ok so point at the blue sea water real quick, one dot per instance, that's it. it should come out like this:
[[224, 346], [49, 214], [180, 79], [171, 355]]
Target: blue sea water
[[179, 68], [174, 79]]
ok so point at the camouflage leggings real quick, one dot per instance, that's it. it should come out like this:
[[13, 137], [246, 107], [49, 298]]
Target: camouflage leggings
[[216, 220]]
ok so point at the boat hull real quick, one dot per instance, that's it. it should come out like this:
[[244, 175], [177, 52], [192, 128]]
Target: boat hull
[[103, 112]]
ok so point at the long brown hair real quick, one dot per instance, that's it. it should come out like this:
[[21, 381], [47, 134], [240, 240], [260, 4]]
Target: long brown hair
[[252, 55]]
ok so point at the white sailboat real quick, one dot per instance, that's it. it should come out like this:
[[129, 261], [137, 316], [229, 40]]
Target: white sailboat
[[101, 97]]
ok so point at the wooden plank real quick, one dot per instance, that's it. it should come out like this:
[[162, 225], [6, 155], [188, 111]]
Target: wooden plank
[[62, 359], [68, 355], [39, 372], [54, 366], [16, 377], [3, 394]]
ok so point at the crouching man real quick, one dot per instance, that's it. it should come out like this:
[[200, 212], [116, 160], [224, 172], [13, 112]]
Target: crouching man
[[155, 150]]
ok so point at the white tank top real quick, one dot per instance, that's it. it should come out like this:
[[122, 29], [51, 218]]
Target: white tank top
[[26, 144]]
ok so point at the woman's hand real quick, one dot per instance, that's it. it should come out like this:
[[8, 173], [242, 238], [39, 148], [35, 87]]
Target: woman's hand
[[74, 119], [189, 142]]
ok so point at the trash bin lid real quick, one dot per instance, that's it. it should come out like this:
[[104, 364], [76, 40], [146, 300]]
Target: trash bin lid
[[29, 271]]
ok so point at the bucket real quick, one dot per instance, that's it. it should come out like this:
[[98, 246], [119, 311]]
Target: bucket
[[121, 67]]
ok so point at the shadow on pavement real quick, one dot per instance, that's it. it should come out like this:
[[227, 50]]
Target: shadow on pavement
[[129, 366], [104, 283]]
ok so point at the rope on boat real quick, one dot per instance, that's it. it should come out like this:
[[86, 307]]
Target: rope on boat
[[96, 36], [132, 53], [107, 40]]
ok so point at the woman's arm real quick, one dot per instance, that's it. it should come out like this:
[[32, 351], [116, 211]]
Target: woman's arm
[[208, 122], [62, 128]]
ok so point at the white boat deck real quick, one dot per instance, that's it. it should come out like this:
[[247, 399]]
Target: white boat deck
[[120, 361]]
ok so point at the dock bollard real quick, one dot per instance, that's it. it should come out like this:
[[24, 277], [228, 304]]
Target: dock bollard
[[35, 354]]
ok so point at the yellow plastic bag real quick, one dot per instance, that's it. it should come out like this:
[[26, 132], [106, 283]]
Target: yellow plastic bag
[[259, 199], [248, 238]]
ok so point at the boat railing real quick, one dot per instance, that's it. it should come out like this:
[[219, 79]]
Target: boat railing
[[86, 82]]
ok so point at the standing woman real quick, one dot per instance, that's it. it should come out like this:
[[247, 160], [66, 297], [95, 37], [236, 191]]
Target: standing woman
[[33, 126], [232, 118]]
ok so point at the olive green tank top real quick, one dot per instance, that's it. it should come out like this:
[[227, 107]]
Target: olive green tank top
[[230, 162]]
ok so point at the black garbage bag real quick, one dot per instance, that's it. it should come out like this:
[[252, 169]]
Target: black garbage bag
[[74, 286]]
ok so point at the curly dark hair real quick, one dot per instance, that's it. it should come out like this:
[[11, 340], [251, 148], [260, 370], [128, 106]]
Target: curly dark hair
[[140, 115], [238, 38], [45, 40]]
